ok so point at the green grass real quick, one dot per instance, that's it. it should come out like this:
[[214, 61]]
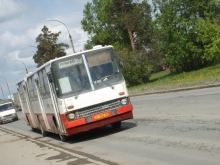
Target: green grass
[[165, 80]]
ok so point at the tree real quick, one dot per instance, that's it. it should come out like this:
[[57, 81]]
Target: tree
[[209, 35], [48, 48], [127, 25], [137, 66], [178, 22], [124, 23]]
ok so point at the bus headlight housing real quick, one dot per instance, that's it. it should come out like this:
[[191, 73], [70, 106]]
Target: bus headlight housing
[[124, 101], [71, 116]]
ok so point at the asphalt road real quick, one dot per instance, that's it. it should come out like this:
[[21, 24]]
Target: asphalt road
[[171, 128]]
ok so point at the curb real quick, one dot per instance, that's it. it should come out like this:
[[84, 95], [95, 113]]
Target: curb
[[177, 90]]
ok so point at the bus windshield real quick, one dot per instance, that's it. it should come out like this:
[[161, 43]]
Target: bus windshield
[[72, 78], [6, 107]]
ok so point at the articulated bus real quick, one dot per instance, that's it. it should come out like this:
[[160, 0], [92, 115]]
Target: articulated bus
[[76, 93]]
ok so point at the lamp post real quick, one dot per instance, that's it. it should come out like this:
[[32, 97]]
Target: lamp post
[[3, 94], [37, 48], [68, 33], [24, 65], [32, 46], [7, 86]]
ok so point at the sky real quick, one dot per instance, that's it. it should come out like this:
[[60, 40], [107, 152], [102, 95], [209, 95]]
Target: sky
[[21, 22]]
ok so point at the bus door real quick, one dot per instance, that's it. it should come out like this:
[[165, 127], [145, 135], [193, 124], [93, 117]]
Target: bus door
[[21, 99], [42, 108], [26, 95], [55, 103]]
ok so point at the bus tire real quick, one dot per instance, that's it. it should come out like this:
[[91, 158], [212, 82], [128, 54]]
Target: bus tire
[[63, 138], [116, 125], [43, 132], [33, 129]]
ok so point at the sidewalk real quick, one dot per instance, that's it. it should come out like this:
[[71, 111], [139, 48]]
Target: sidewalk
[[18, 149]]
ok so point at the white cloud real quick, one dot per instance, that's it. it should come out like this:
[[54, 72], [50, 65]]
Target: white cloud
[[21, 22], [32, 33], [10, 40], [10, 9], [13, 56], [79, 37]]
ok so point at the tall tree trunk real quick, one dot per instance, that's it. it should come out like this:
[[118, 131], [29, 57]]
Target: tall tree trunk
[[128, 28], [131, 39]]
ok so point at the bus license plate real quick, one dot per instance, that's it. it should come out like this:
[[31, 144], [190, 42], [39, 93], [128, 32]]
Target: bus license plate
[[101, 116]]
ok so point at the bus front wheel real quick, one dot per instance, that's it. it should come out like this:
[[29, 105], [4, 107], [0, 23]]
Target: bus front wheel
[[63, 138], [116, 125]]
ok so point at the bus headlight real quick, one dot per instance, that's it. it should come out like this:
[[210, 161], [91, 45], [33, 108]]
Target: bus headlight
[[71, 116], [124, 101]]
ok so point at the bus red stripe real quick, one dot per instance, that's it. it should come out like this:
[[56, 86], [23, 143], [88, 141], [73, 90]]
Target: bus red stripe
[[125, 109], [99, 123], [74, 123], [82, 121]]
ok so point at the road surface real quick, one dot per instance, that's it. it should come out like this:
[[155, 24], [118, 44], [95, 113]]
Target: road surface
[[171, 128]]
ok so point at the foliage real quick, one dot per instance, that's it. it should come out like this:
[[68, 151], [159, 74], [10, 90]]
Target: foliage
[[184, 34], [118, 22], [48, 48], [127, 25], [209, 35], [163, 81], [137, 67], [177, 22]]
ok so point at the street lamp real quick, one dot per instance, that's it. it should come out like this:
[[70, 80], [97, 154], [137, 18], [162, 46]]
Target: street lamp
[[24, 65], [7, 86], [68, 33], [3, 94], [37, 48], [32, 46]]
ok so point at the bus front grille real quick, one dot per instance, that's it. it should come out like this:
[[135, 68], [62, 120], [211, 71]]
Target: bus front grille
[[88, 111]]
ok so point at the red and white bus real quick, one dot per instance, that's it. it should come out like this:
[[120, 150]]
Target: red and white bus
[[76, 93]]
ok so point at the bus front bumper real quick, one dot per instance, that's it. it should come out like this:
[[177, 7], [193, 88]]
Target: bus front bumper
[[98, 120]]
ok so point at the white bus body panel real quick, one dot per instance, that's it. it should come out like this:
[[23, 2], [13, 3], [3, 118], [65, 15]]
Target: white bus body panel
[[93, 97]]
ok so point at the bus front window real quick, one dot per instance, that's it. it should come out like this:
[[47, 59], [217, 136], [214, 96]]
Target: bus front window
[[103, 68], [70, 76]]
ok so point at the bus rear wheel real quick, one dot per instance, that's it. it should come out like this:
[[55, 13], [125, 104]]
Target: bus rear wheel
[[116, 125], [43, 132], [33, 129]]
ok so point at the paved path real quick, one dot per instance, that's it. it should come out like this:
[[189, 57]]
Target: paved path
[[17, 149]]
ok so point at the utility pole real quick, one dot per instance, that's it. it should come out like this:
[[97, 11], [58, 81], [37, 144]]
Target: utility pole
[[68, 33], [3, 94], [7, 86]]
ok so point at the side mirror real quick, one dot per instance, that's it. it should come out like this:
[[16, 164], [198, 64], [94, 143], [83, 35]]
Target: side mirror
[[120, 63], [50, 78]]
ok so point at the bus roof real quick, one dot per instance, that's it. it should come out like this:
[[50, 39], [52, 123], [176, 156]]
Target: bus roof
[[97, 47]]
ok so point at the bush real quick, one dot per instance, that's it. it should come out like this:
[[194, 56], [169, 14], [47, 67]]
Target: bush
[[137, 67]]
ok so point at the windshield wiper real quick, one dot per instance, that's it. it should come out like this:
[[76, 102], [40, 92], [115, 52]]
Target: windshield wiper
[[104, 81]]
